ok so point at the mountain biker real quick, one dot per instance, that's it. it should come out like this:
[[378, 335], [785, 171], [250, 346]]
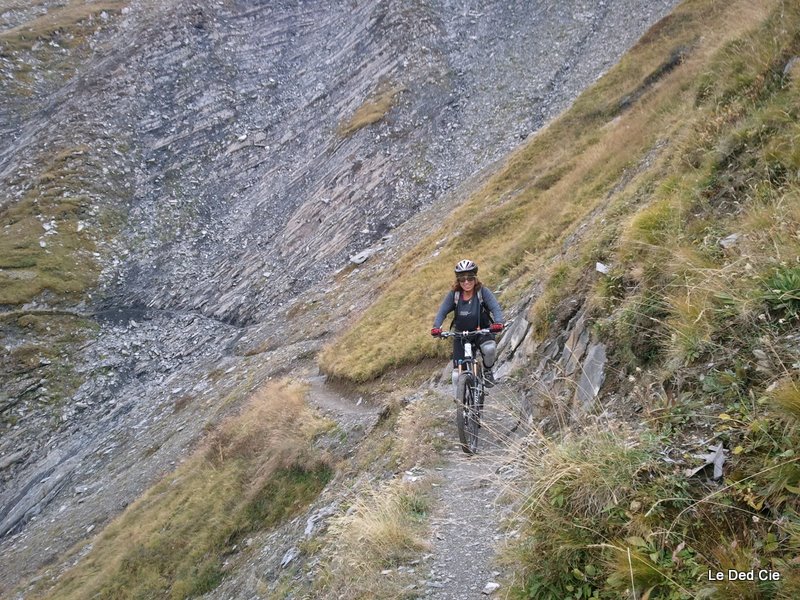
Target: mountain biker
[[475, 307]]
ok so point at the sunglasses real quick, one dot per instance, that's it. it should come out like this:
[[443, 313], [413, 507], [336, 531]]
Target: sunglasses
[[463, 278]]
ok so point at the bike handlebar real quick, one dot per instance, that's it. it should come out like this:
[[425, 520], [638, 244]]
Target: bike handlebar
[[463, 334], [447, 334]]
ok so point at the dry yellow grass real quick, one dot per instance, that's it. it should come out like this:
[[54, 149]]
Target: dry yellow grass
[[786, 398], [384, 528], [589, 163], [66, 19], [256, 470], [385, 524], [374, 109]]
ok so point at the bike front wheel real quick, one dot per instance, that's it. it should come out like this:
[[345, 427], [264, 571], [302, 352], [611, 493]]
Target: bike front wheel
[[467, 413]]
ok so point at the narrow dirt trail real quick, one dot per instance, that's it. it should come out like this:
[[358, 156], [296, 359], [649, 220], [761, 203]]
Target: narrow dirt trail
[[344, 411], [354, 418], [467, 523]]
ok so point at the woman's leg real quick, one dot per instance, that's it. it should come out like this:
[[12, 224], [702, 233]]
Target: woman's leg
[[489, 350], [458, 356]]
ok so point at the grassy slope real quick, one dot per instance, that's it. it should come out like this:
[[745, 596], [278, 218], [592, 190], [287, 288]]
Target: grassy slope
[[691, 139], [63, 24], [516, 224], [49, 229], [256, 471]]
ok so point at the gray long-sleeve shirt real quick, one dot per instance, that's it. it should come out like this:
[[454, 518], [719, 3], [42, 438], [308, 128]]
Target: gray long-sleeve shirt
[[468, 312]]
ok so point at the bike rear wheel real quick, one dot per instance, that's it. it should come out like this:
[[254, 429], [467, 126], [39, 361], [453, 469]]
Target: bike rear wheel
[[467, 413]]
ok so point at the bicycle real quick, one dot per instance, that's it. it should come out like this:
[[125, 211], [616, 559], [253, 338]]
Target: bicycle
[[470, 389]]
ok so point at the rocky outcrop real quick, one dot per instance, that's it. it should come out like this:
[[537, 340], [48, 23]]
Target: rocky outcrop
[[563, 374]]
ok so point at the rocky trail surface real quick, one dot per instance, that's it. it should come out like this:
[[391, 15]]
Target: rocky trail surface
[[467, 523], [344, 411]]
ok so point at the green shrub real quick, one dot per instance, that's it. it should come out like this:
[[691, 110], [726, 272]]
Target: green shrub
[[782, 292]]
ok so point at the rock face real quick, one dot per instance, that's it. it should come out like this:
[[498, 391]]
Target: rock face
[[204, 144], [563, 373]]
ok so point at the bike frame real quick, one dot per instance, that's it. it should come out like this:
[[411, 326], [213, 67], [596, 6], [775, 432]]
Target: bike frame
[[470, 404], [472, 352], [472, 363]]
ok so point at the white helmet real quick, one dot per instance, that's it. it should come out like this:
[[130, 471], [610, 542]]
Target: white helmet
[[466, 266]]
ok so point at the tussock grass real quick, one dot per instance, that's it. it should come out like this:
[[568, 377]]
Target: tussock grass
[[373, 109], [384, 528], [786, 398], [602, 515], [576, 494], [257, 470], [369, 546]]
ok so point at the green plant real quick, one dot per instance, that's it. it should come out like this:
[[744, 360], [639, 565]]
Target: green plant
[[782, 291]]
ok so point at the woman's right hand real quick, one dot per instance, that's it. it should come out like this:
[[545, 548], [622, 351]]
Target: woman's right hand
[[436, 332]]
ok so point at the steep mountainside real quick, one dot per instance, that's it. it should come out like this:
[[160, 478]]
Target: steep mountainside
[[181, 179]]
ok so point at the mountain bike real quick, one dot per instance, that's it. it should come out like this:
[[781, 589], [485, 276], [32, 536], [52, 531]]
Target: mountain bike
[[470, 388]]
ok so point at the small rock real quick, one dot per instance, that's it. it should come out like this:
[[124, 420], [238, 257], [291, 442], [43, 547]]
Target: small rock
[[760, 355], [361, 257], [730, 241], [790, 66], [491, 588], [290, 555], [10, 459]]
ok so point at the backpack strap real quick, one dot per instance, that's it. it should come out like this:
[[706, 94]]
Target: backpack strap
[[456, 297], [483, 309]]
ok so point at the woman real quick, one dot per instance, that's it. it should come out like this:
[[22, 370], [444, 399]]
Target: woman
[[476, 308]]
